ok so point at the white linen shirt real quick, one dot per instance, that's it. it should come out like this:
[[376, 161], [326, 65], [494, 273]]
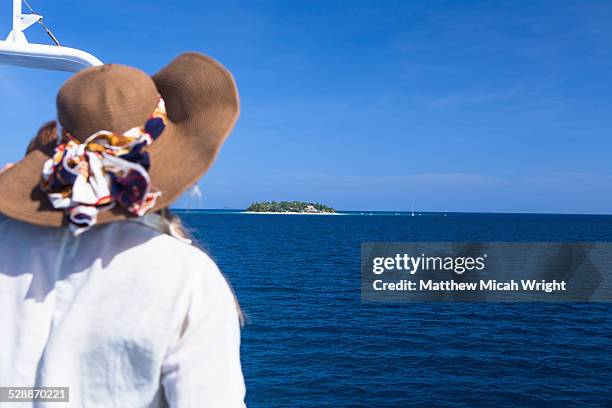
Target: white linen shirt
[[124, 315]]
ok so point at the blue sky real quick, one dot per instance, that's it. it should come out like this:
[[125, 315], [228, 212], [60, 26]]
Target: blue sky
[[450, 105]]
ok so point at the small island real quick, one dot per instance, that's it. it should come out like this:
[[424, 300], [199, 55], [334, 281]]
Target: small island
[[289, 207]]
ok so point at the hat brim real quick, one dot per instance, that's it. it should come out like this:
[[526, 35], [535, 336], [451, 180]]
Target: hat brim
[[202, 105]]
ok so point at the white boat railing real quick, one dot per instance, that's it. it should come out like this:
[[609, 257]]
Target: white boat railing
[[16, 50]]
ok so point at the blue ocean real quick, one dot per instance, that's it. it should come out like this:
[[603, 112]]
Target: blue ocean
[[309, 341]]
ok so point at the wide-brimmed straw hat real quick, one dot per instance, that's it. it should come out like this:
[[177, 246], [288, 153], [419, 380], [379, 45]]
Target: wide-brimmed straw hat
[[202, 106]]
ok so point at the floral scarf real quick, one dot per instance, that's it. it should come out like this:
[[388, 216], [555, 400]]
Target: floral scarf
[[104, 170]]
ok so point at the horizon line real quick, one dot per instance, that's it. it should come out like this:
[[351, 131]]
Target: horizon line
[[415, 212]]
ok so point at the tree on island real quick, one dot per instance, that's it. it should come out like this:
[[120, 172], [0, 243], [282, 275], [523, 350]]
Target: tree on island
[[289, 206]]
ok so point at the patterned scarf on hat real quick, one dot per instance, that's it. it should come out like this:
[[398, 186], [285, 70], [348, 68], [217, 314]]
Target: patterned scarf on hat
[[86, 178]]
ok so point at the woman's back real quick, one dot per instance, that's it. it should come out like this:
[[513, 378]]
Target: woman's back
[[122, 315]]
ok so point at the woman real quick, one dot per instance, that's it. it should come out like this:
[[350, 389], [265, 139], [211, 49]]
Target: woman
[[99, 292]]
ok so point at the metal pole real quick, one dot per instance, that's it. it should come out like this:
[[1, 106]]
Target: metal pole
[[16, 17]]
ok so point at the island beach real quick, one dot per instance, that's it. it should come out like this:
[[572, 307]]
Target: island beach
[[289, 207], [289, 213]]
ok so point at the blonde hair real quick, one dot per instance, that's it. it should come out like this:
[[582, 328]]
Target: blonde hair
[[174, 226]]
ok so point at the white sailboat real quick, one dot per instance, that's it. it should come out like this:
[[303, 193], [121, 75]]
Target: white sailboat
[[16, 50]]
